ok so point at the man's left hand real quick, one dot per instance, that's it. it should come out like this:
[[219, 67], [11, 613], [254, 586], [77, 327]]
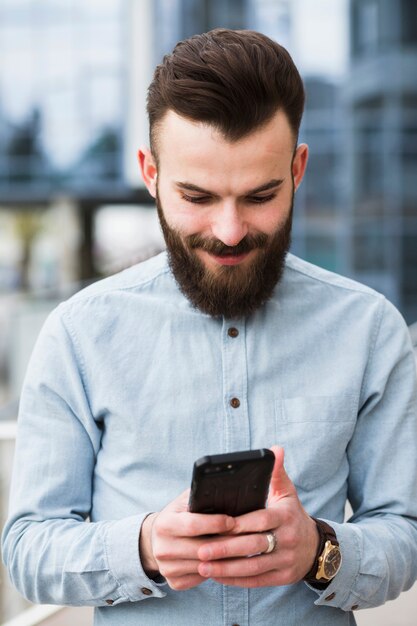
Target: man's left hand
[[225, 559]]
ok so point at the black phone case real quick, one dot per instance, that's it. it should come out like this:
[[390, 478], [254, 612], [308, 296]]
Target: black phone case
[[234, 483]]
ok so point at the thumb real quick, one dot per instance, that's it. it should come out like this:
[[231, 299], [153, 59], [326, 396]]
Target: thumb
[[281, 485]]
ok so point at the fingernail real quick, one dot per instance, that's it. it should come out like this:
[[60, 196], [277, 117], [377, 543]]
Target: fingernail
[[230, 523], [204, 570]]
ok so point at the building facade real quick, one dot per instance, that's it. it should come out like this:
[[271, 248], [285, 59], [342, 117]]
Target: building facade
[[381, 99]]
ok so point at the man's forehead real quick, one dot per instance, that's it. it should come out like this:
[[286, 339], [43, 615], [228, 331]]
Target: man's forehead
[[179, 138], [176, 128], [173, 125]]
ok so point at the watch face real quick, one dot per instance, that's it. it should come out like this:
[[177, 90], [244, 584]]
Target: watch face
[[332, 562]]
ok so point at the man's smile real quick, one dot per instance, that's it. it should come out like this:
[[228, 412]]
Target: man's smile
[[227, 257]]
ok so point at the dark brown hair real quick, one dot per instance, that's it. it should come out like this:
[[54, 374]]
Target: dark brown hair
[[234, 80]]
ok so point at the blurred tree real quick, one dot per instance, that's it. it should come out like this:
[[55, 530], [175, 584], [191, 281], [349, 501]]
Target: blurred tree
[[27, 160], [102, 158], [27, 224]]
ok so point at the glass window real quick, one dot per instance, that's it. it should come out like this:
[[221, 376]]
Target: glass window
[[369, 250], [62, 82], [409, 21], [322, 250], [366, 26]]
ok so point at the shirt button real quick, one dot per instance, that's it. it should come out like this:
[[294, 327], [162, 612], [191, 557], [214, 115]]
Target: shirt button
[[330, 597], [146, 591], [355, 607], [235, 403], [109, 601], [233, 332]]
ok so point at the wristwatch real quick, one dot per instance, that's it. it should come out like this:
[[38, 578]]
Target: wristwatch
[[328, 558]]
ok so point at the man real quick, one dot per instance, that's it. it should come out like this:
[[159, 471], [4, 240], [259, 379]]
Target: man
[[225, 344]]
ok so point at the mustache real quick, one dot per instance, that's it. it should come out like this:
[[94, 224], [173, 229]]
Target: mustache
[[218, 248]]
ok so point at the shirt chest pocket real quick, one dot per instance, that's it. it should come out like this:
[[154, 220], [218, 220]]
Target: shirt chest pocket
[[315, 432]]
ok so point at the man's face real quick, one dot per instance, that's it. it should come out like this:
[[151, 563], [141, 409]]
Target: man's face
[[225, 209]]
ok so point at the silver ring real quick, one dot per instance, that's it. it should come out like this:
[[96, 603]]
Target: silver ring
[[272, 542]]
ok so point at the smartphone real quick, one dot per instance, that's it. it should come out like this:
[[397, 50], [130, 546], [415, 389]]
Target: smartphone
[[233, 483]]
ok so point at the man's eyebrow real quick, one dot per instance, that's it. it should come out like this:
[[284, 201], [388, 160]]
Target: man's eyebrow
[[271, 184], [275, 182], [191, 187]]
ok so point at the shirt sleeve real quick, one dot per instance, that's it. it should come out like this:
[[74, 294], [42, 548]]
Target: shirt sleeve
[[379, 542], [53, 554]]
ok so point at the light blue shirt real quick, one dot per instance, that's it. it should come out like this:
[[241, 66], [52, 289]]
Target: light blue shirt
[[128, 385]]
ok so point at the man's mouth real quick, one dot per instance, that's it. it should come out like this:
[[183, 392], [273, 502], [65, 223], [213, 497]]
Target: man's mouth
[[229, 258]]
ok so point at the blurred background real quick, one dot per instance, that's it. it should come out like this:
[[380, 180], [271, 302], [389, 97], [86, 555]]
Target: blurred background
[[73, 79]]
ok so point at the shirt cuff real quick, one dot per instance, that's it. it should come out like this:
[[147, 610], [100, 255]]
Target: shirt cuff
[[122, 549]]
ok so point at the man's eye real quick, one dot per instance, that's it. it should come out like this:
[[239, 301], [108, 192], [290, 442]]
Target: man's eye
[[261, 199], [196, 199]]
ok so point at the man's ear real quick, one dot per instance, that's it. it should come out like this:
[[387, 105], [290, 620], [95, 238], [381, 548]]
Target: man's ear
[[148, 169], [299, 164]]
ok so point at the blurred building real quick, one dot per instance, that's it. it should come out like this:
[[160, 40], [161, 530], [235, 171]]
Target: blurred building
[[174, 20], [321, 227], [177, 19], [273, 18], [381, 98], [73, 80], [61, 85], [63, 101]]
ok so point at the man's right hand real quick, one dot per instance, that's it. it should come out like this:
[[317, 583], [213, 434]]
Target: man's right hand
[[169, 542]]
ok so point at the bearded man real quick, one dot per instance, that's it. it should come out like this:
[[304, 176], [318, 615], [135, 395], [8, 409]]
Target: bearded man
[[225, 342]]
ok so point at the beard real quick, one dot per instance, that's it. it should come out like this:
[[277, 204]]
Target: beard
[[230, 291]]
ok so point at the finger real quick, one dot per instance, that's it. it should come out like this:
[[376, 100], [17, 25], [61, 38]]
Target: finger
[[237, 568], [179, 567], [165, 549], [251, 582], [229, 547], [169, 549], [257, 521], [185, 582], [186, 524], [281, 485]]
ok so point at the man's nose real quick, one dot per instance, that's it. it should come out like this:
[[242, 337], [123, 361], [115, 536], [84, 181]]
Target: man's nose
[[228, 225]]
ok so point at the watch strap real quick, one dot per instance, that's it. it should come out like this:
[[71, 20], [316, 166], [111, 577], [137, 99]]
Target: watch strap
[[326, 533]]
